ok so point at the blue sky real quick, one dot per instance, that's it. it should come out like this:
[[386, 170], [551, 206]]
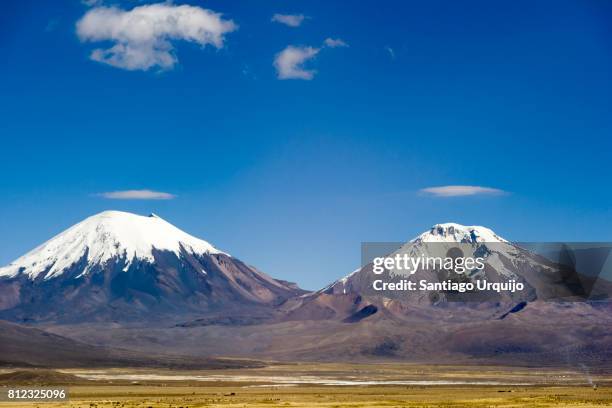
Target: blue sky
[[291, 175]]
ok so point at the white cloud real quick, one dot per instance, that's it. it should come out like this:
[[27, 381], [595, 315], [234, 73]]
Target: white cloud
[[289, 62], [143, 36], [390, 51], [137, 195], [291, 20], [334, 43], [460, 191]]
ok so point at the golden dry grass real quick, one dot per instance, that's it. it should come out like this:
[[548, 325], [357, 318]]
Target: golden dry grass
[[330, 397], [553, 388]]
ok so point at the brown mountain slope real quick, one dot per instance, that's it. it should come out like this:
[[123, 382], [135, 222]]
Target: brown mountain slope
[[30, 347]]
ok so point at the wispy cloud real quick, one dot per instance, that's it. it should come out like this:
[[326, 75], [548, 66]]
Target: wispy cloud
[[291, 20], [91, 3], [334, 43], [289, 63], [390, 51], [143, 36], [460, 191], [137, 195]]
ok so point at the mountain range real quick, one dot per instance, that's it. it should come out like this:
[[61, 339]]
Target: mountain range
[[120, 281]]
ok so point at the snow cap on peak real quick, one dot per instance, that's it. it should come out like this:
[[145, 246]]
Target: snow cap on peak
[[105, 236], [453, 232]]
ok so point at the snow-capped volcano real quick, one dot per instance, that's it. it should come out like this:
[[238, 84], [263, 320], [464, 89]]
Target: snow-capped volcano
[[438, 241], [105, 236], [121, 264], [368, 291]]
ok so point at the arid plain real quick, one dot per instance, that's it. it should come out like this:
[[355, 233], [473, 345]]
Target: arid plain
[[321, 385]]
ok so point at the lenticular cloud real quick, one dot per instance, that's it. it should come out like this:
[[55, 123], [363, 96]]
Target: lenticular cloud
[[143, 36]]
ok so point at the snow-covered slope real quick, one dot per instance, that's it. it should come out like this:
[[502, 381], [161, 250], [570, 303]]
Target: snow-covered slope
[[457, 233], [104, 236]]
